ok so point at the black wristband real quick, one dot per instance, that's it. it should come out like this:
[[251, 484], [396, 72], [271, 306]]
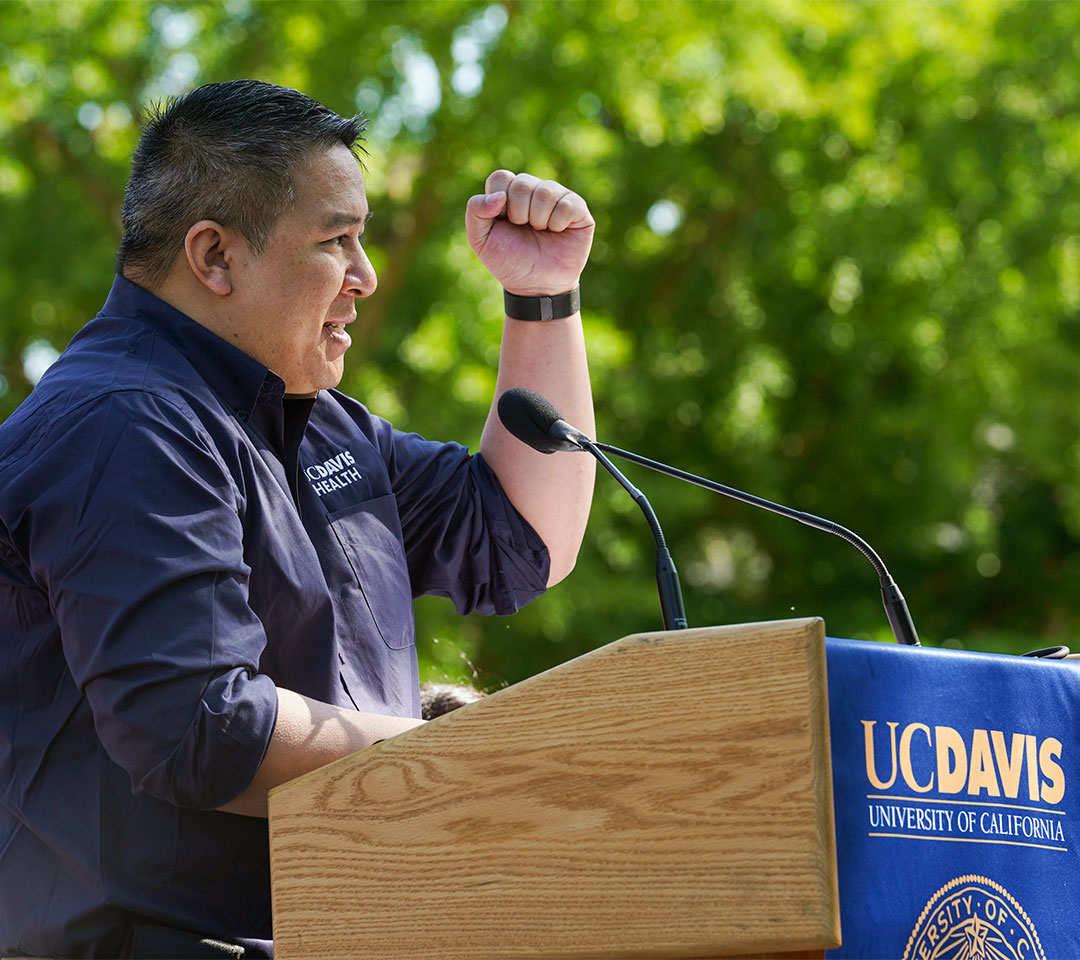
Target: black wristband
[[559, 307]]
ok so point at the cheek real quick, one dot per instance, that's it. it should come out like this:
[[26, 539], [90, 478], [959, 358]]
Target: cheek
[[305, 277], [316, 293], [300, 286]]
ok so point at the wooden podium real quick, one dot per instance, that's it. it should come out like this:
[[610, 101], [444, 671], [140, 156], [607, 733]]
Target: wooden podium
[[667, 795]]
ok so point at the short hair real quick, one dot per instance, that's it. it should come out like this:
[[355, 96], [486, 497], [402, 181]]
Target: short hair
[[224, 152], [439, 698]]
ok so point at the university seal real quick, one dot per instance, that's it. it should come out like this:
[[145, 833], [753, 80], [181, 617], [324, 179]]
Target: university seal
[[973, 918]]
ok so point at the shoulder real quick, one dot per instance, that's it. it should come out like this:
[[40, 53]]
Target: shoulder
[[65, 420], [73, 424], [112, 364], [333, 406], [397, 447], [40, 444], [378, 429]]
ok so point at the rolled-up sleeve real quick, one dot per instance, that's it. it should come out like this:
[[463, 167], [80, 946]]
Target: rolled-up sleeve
[[463, 537], [139, 546]]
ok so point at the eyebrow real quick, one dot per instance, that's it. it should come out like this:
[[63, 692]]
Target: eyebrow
[[342, 219]]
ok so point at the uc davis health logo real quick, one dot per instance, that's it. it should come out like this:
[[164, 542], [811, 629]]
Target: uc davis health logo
[[973, 918]]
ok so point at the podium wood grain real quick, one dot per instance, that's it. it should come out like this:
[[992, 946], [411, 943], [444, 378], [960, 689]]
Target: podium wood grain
[[667, 795]]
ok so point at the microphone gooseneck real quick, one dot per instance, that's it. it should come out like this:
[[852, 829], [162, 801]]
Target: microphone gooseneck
[[537, 422], [896, 608], [667, 577]]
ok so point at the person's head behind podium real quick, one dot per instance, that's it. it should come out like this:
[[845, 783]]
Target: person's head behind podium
[[439, 698]]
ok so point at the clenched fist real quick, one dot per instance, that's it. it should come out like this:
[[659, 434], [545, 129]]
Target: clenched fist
[[533, 235]]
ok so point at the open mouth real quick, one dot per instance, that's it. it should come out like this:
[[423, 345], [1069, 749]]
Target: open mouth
[[336, 338]]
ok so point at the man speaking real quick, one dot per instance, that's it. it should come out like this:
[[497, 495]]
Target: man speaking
[[208, 555]]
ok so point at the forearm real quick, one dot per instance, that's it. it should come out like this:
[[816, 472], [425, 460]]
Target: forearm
[[310, 734], [552, 491], [534, 236]]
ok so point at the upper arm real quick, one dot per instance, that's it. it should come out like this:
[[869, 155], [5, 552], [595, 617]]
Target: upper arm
[[463, 537], [139, 545]]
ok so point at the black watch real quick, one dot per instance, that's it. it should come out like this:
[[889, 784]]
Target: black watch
[[558, 307]]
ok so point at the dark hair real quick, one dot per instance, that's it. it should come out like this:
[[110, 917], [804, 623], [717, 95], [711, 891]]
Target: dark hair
[[439, 698], [223, 152]]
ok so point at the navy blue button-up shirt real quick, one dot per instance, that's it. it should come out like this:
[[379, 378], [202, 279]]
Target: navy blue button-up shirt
[[177, 539]]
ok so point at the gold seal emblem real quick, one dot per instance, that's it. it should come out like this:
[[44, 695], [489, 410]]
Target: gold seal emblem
[[973, 918]]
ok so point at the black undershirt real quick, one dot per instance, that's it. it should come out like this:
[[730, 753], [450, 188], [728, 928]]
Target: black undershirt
[[296, 411]]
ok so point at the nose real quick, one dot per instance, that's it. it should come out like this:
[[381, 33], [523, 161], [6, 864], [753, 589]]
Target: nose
[[360, 279]]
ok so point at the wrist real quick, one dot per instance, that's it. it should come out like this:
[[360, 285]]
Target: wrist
[[542, 308]]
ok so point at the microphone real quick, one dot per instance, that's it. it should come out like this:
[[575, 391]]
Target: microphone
[[536, 421], [896, 609]]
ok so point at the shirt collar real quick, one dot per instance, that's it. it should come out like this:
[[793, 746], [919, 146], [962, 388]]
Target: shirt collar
[[240, 380]]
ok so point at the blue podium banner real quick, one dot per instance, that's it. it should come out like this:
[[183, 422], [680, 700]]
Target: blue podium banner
[[956, 781]]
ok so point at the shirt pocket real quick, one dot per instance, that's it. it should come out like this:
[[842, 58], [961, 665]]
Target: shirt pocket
[[368, 534]]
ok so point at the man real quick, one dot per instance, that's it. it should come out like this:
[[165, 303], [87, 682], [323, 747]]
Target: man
[[208, 555]]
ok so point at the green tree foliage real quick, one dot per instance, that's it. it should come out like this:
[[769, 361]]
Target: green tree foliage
[[838, 264]]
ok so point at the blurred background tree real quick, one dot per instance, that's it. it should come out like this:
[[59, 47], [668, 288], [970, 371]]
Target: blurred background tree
[[837, 264]]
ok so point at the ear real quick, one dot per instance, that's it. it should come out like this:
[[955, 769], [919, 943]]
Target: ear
[[209, 248]]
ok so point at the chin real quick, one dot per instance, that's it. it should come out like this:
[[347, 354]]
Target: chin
[[330, 379], [324, 377], [310, 388]]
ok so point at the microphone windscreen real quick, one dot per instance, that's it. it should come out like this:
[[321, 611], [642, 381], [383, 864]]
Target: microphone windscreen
[[529, 416]]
